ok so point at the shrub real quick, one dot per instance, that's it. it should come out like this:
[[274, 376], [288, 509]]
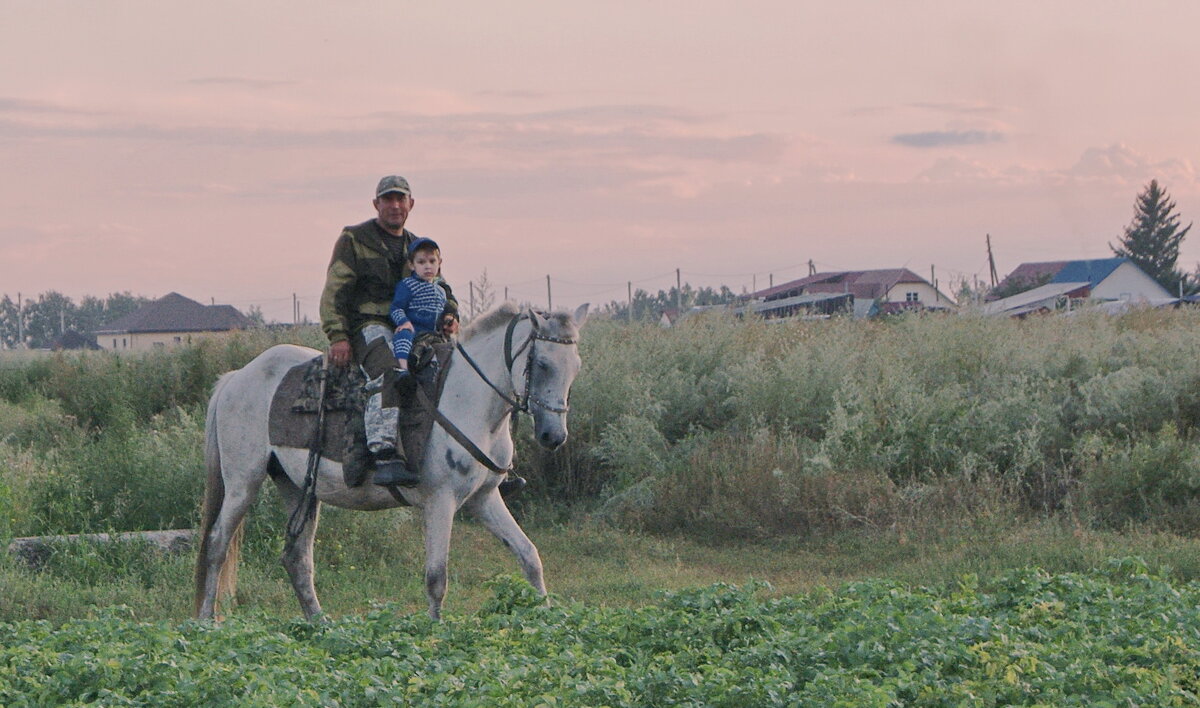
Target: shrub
[[724, 487], [125, 480], [1153, 482], [38, 422]]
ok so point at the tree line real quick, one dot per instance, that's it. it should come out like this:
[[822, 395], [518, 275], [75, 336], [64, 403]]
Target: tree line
[[644, 306], [43, 321]]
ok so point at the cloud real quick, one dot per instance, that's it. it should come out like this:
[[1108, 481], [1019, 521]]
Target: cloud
[[957, 170], [9, 104], [1121, 163], [597, 133], [238, 82], [1114, 165], [519, 94], [948, 138], [961, 107]]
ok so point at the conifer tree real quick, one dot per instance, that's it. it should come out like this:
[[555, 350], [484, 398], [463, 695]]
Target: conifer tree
[[1153, 236]]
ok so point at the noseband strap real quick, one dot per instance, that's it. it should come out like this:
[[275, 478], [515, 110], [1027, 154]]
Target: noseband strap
[[515, 403], [520, 403]]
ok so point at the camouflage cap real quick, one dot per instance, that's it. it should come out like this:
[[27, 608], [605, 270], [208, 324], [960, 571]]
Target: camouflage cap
[[393, 183]]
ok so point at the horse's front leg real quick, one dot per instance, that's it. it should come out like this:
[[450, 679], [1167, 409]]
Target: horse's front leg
[[491, 510], [439, 519], [298, 555]]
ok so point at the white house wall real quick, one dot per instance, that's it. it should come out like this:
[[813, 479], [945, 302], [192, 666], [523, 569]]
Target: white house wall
[[926, 295], [1128, 282], [149, 341]]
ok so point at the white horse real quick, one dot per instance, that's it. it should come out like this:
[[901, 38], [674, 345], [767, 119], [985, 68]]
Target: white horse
[[505, 359]]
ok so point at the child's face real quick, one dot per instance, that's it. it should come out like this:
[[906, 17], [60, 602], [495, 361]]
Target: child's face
[[427, 264]]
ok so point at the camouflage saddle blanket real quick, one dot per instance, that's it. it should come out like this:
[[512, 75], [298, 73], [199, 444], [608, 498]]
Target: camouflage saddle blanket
[[293, 417]]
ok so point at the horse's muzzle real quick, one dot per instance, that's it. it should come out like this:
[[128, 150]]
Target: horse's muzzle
[[550, 436]]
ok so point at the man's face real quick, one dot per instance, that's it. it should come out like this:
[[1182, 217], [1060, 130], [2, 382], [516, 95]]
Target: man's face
[[427, 264], [393, 209]]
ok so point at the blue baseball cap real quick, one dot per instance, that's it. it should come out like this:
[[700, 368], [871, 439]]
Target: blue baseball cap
[[422, 243]]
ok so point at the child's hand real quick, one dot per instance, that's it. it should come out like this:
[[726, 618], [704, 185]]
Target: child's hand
[[406, 325]]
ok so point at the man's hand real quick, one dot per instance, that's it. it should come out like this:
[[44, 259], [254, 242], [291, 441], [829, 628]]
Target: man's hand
[[339, 353]]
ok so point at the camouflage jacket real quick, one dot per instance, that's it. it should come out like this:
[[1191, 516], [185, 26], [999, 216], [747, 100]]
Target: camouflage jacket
[[362, 278]]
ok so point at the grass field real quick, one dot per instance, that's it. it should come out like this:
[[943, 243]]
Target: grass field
[[921, 455]]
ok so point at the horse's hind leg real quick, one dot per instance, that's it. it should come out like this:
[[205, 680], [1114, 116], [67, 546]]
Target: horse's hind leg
[[298, 555], [223, 541], [495, 516]]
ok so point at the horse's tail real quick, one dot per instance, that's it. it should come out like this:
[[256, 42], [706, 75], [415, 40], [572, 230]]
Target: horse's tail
[[214, 497]]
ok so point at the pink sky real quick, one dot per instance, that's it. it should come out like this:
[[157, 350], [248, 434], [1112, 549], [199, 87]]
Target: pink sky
[[215, 149]]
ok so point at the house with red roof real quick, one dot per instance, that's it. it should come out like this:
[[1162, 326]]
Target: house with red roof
[[863, 292]]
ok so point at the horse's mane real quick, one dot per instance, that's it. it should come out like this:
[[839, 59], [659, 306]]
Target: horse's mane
[[490, 320], [503, 314]]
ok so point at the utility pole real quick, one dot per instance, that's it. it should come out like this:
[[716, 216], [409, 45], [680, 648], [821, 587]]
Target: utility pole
[[471, 291], [933, 282], [506, 293], [991, 261], [549, 297], [295, 310], [678, 292], [20, 322], [629, 287]]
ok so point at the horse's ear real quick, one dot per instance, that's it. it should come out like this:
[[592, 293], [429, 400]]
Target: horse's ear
[[536, 319], [581, 314]]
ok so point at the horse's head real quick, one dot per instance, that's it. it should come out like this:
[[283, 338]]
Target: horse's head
[[551, 369]]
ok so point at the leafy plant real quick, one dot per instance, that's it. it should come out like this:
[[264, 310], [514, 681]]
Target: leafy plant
[[1118, 635]]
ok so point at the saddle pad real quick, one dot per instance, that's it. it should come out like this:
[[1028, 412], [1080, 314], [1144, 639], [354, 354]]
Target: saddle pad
[[293, 419]]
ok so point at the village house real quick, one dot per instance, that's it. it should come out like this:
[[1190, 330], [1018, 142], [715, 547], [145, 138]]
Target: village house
[[863, 292], [1043, 287], [170, 321]]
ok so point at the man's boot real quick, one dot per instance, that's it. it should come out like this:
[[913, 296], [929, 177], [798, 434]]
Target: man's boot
[[391, 468], [511, 486]]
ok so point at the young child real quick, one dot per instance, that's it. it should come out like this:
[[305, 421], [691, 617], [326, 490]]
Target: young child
[[420, 302]]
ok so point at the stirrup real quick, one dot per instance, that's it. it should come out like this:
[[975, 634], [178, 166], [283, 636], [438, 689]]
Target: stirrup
[[395, 471]]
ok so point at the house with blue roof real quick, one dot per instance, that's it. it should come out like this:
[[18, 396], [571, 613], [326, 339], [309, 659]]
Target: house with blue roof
[[1057, 284]]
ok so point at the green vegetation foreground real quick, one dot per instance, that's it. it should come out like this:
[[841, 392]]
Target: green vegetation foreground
[[1117, 636]]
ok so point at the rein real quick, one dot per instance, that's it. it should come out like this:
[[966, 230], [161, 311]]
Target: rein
[[516, 403], [307, 508]]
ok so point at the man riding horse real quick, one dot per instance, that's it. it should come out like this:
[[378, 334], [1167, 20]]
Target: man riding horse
[[368, 261]]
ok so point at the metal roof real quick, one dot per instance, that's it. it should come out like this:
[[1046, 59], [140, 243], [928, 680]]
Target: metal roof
[[1031, 299], [1090, 272]]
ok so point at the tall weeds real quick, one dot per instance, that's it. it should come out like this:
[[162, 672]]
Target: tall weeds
[[716, 426], [748, 428]]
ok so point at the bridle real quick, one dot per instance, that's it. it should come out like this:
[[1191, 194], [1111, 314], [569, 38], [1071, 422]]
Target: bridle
[[516, 402], [520, 403]]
